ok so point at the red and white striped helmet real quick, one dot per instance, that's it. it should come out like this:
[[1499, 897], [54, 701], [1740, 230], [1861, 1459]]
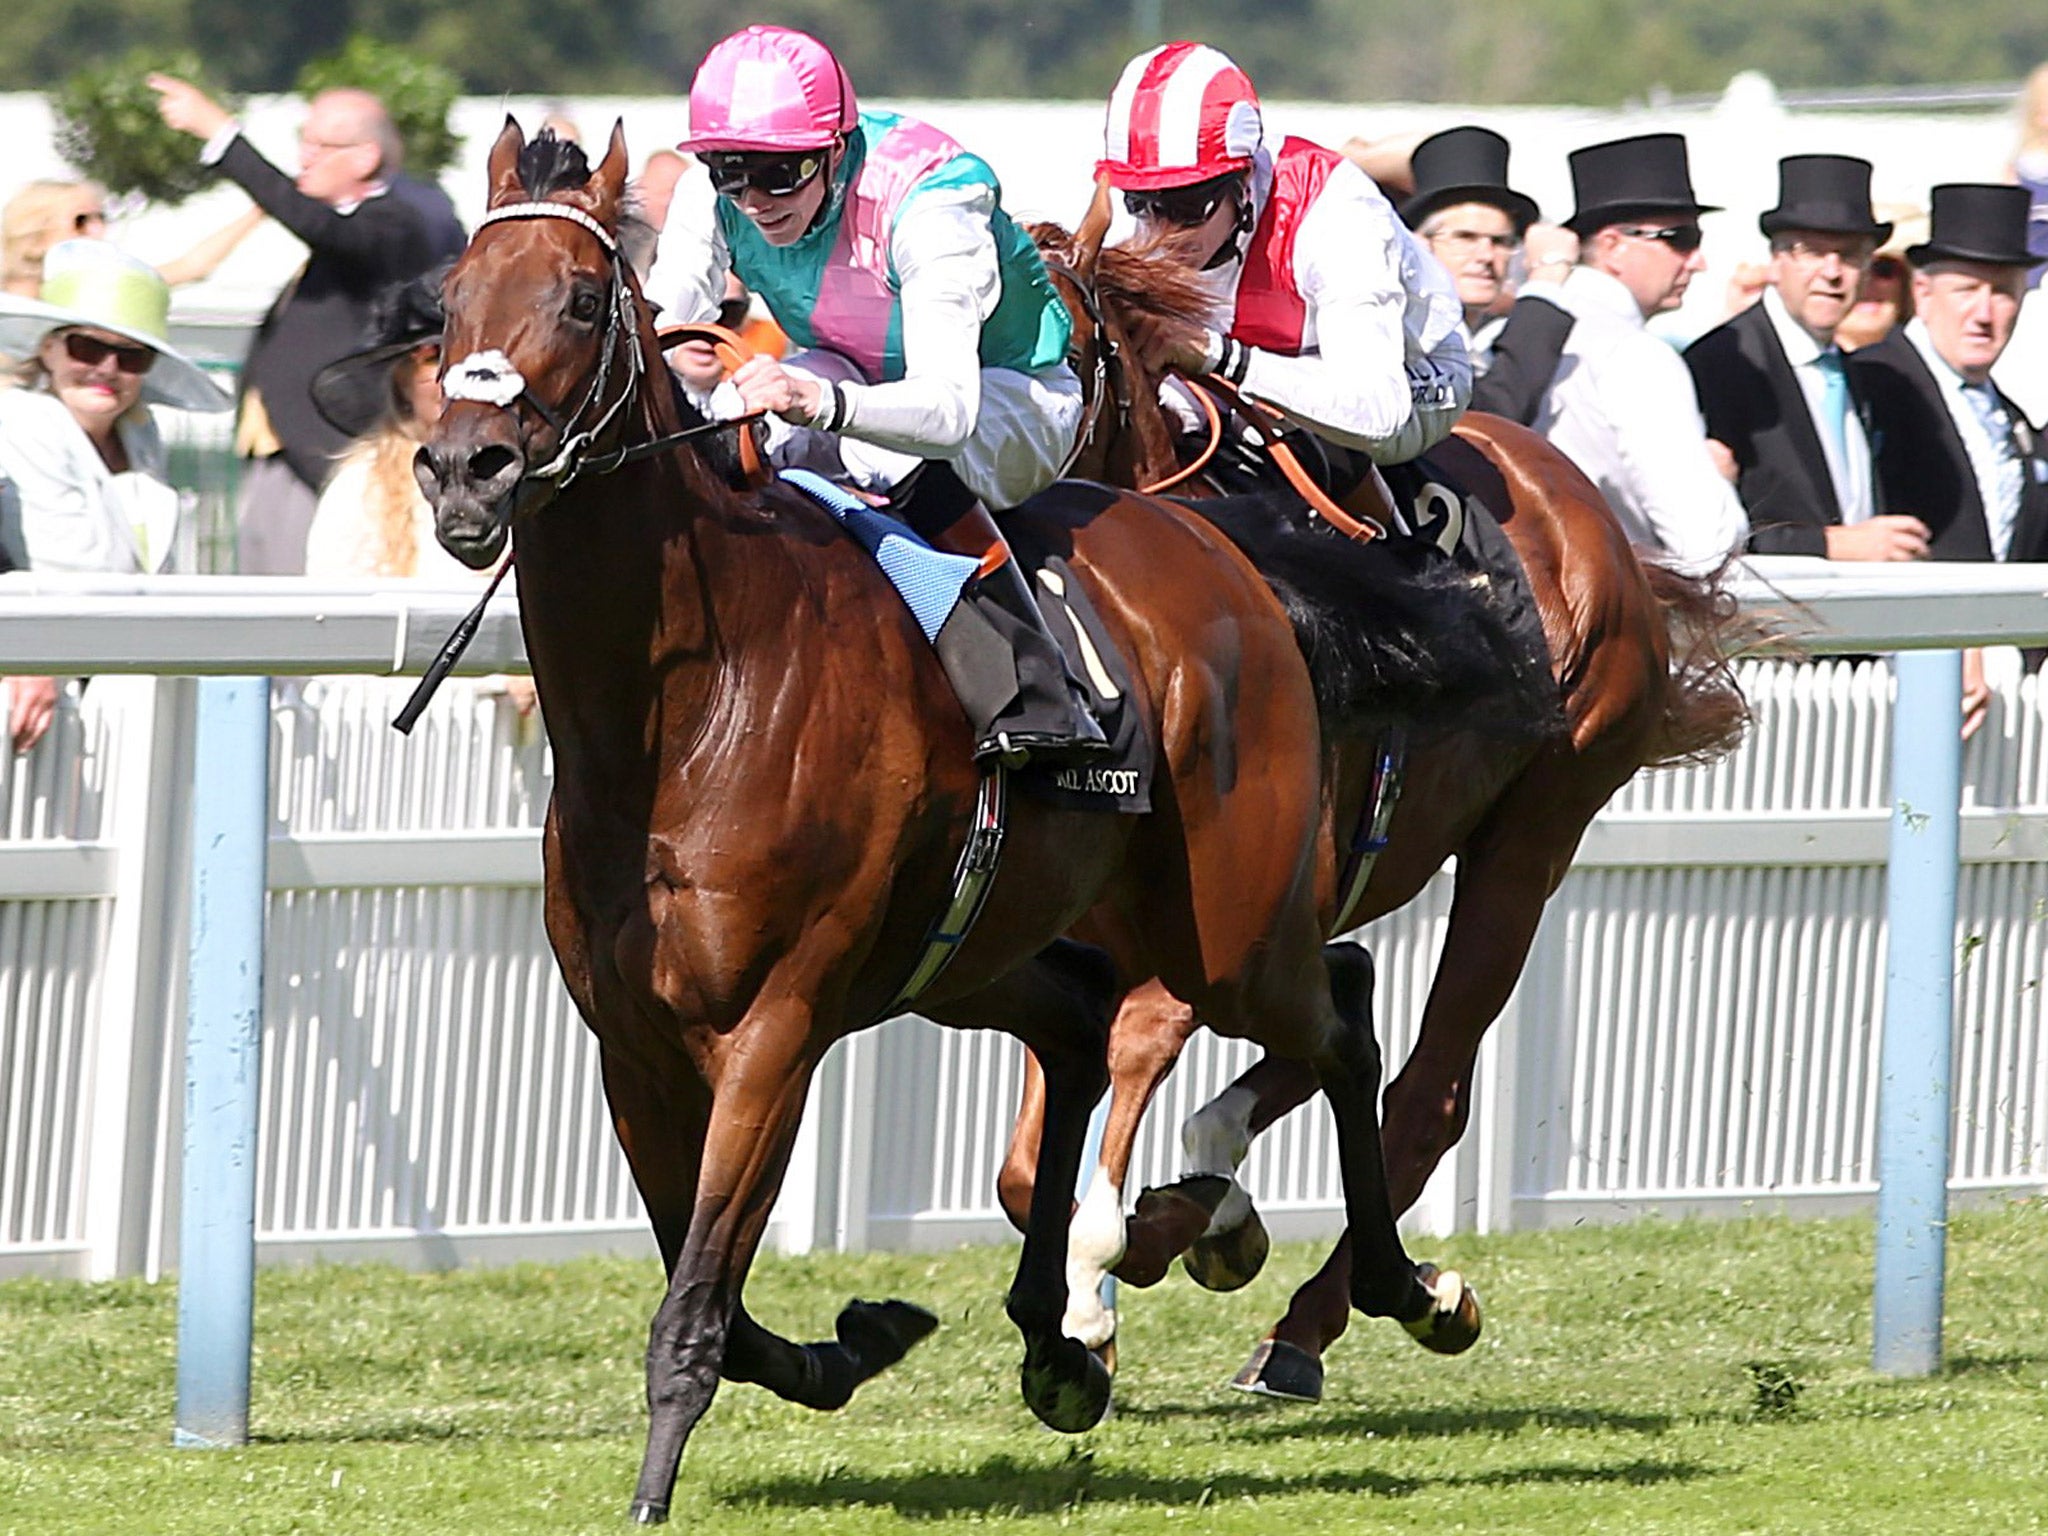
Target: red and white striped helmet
[[1180, 114]]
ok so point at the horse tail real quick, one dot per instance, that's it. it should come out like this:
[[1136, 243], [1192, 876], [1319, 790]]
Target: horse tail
[[1705, 714], [1390, 635]]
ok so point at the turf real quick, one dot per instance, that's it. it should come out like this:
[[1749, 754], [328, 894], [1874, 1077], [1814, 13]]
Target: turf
[[1696, 1377]]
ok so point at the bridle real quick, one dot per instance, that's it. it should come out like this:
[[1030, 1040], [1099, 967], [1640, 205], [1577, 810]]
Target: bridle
[[490, 378], [1112, 379]]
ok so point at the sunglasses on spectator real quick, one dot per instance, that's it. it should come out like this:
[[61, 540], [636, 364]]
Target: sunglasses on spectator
[[1682, 238], [770, 175], [90, 352], [1182, 207], [81, 222]]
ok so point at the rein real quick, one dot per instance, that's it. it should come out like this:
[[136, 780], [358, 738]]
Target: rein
[[1110, 376], [1269, 426]]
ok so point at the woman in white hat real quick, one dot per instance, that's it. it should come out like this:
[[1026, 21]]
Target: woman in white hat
[[86, 470]]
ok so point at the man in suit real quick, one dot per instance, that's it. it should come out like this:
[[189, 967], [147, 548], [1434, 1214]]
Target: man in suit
[[359, 240], [1620, 402], [1775, 388], [1951, 448]]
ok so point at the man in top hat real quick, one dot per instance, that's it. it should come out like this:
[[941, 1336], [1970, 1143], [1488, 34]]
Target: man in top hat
[[1775, 388], [1952, 449], [1621, 403], [1473, 223]]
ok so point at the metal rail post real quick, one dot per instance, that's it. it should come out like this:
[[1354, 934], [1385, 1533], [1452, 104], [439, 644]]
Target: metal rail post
[[1919, 1013], [223, 1056]]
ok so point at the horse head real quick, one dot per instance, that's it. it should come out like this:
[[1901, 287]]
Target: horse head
[[542, 350]]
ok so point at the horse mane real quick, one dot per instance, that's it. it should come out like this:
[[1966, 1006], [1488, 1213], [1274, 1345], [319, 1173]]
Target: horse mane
[[1137, 279], [548, 165]]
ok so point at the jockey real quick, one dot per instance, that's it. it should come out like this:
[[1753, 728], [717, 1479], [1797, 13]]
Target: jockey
[[1325, 306], [929, 345]]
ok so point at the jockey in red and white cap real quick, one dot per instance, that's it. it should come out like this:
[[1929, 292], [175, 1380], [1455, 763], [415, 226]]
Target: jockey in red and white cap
[[1325, 305], [929, 338]]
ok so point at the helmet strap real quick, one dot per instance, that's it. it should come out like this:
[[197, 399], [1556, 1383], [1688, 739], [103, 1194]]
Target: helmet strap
[[1240, 230]]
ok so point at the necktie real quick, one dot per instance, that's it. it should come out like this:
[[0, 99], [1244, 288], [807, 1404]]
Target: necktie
[[1834, 406], [2001, 488]]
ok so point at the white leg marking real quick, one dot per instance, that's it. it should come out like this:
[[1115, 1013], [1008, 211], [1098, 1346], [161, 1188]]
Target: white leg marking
[[1095, 1241], [1217, 1136]]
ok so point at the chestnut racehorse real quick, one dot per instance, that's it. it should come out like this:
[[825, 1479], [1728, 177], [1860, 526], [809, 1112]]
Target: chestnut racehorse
[[1637, 652], [763, 786]]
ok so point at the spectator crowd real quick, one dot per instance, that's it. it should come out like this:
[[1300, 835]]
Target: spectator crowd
[[1845, 408]]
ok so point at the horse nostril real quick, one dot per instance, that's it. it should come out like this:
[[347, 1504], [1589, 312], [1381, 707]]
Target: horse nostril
[[487, 464]]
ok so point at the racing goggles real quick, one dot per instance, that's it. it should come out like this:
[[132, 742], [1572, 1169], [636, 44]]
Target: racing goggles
[[1183, 207], [733, 171]]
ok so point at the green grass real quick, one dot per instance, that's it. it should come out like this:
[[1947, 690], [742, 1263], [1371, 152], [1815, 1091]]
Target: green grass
[[1709, 1377]]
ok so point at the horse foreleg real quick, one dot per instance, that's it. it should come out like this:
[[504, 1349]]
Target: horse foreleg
[[1145, 1040], [1231, 1250], [1059, 1006], [756, 1103], [1014, 1178]]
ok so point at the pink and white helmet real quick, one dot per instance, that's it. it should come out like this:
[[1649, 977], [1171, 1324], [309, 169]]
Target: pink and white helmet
[[1180, 114], [769, 88]]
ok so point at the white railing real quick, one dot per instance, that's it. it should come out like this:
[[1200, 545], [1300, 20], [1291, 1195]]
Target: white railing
[[1696, 1029]]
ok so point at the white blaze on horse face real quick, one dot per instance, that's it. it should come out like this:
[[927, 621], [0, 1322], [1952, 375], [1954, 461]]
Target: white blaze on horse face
[[487, 377], [1095, 1241]]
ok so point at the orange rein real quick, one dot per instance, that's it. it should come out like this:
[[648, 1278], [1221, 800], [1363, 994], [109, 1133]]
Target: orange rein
[[733, 351], [1201, 459], [1267, 423]]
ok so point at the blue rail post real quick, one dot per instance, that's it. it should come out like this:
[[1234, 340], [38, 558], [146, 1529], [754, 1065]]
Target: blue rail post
[[1919, 1014], [223, 1054]]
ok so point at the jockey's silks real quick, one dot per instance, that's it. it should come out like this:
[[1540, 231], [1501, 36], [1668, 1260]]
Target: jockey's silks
[[837, 286], [1271, 313]]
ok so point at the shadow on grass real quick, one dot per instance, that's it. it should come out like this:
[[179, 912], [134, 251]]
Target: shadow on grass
[[1267, 1419], [1005, 1485], [1993, 1365]]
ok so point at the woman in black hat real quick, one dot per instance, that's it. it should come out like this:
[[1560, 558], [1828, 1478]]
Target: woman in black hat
[[371, 519]]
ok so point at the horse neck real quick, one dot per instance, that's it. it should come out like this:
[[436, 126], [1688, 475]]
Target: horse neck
[[630, 586]]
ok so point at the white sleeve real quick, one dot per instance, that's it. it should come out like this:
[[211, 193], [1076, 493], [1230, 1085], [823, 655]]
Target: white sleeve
[[944, 251], [1390, 374], [1662, 442], [687, 281], [65, 523]]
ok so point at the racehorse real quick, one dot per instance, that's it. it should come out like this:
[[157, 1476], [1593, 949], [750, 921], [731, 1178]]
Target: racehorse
[[763, 786], [1638, 653]]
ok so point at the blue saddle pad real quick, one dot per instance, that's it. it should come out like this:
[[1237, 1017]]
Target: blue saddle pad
[[929, 579]]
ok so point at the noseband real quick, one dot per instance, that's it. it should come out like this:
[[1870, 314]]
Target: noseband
[[490, 378]]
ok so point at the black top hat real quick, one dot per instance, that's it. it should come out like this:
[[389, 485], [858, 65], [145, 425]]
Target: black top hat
[[1977, 221], [1464, 165], [1826, 193], [354, 392], [1625, 178]]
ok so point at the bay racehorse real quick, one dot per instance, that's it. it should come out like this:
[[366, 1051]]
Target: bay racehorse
[[1638, 657], [763, 786]]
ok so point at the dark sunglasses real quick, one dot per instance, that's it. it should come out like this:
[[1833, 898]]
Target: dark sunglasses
[[1682, 238], [771, 175], [81, 222], [1182, 207], [90, 352]]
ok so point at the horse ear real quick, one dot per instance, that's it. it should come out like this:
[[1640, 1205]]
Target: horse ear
[[503, 174], [607, 184], [1094, 228]]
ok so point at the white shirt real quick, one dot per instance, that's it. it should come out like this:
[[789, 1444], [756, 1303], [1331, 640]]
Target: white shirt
[[1383, 366], [1850, 476], [75, 513], [1622, 407], [2001, 477], [944, 252], [344, 540]]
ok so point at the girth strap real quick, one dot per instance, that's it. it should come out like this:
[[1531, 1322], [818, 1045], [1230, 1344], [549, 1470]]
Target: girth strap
[[1375, 820], [972, 877]]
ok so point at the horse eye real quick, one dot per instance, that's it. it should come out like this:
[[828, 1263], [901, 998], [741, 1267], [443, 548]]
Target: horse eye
[[584, 306]]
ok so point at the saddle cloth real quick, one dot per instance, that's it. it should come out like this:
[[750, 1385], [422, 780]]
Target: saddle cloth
[[930, 581]]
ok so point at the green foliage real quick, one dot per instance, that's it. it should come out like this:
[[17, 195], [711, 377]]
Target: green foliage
[[108, 130], [417, 92]]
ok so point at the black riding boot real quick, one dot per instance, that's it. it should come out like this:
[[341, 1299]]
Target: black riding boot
[[1004, 663]]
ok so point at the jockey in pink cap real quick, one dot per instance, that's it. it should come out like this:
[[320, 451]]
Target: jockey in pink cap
[[1324, 305], [930, 345]]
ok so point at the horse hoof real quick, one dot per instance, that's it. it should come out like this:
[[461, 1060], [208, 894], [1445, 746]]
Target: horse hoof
[[1106, 1353], [1066, 1386], [1164, 1223], [1229, 1259], [1451, 1325], [879, 1333], [649, 1514], [1279, 1369]]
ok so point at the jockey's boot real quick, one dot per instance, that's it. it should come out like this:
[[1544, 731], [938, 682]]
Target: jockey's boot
[[1004, 663]]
